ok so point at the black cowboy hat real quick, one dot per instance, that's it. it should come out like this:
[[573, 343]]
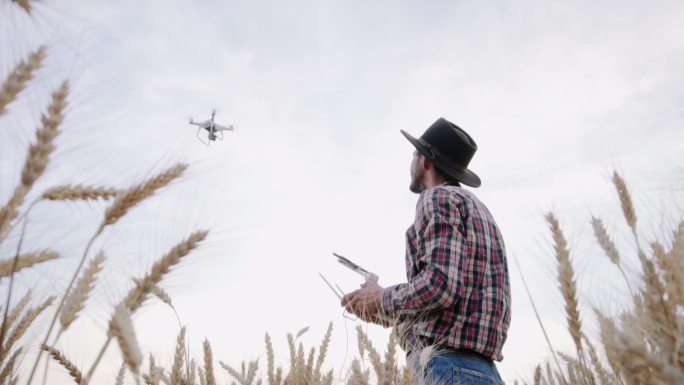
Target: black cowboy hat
[[449, 148]]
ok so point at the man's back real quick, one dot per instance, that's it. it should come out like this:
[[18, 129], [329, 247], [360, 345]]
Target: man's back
[[458, 293]]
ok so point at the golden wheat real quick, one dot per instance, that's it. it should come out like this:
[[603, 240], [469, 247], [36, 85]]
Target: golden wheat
[[16, 311], [178, 359], [21, 327], [38, 156], [134, 195], [121, 327], [26, 260], [9, 366], [68, 365], [75, 301], [208, 364], [136, 296], [121, 375], [78, 192], [566, 278], [17, 79]]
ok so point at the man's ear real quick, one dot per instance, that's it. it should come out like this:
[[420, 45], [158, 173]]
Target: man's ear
[[426, 163]]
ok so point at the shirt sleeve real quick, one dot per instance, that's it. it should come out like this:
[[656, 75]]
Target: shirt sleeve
[[441, 245]]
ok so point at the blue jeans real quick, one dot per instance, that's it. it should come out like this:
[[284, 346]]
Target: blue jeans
[[454, 368]]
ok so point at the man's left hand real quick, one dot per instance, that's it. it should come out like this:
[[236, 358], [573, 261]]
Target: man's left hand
[[364, 302]]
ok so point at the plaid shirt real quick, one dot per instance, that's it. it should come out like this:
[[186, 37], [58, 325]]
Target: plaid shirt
[[458, 293]]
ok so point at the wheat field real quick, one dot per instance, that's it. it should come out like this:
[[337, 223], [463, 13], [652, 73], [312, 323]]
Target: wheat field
[[642, 345]]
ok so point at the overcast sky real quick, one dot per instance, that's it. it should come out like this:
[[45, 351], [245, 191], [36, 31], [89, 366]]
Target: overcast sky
[[557, 94]]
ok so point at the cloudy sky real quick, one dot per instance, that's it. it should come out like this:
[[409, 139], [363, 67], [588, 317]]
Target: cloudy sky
[[557, 94]]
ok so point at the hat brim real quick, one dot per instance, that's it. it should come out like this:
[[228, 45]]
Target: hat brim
[[466, 176]]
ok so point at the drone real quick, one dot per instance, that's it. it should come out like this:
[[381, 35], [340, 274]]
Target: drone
[[212, 128]]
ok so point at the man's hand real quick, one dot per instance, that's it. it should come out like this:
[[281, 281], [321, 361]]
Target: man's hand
[[365, 302]]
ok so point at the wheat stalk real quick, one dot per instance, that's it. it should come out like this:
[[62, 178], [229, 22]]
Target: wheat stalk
[[26, 260], [121, 327], [134, 195], [567, 281], [21, 74], [208, 364], [78, 296], [68, 365], [78, 192]]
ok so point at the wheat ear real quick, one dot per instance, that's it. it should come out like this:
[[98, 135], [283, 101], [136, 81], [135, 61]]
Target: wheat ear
[[152, 378], [121, 328], [390, 370], [134, 195], [78, 192], [21, 74], [77, 297], [270, 361], [16, 311], [136, 297], [61, 358], [608, 247], [178, 359], [22, 326], [24, 4], [358, 377], [121, 375], [245, 376], [537, 375], [373, 354], [192, 372], [208, 364], [627, 209], [9, 367], [566, 278], [322, 351], [37, 157], [202, 379], [291, 348], [607, 333], [26, 260]]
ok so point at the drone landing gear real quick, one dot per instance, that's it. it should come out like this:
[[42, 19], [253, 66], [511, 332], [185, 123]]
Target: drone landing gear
[[200, 138], [211, 138]]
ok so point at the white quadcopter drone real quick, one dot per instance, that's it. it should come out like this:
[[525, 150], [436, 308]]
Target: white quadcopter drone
[[212, 128]]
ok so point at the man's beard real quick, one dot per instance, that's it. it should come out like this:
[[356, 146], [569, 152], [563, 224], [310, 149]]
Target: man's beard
[[415, 185]]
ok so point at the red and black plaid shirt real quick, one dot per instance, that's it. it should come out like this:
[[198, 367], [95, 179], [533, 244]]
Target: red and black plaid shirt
[[458, 292]]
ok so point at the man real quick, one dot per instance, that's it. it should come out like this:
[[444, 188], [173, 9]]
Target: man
[[457, 298]]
